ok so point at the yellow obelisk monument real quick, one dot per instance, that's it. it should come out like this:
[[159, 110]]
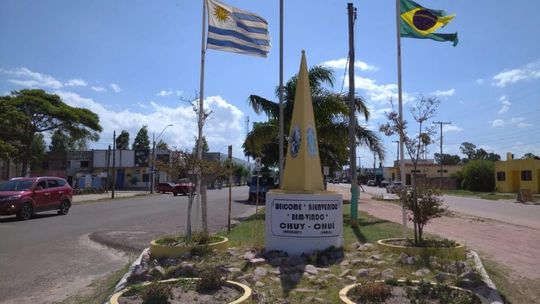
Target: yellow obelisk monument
[[301, 216]]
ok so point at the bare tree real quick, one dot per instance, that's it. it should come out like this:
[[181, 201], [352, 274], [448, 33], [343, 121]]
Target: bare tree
[[415, 143]]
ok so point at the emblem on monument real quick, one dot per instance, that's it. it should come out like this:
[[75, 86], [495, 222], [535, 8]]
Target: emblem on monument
[[312, 147], [296, 140]]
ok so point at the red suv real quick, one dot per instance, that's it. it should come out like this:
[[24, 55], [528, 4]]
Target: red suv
[[24, 196], [184, 186]]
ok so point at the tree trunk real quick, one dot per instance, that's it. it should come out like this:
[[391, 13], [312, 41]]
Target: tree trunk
[[204, 209], [26, 159], [190, 206]]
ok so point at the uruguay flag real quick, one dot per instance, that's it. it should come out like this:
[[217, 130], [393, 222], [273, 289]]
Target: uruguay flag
[[237, 31]]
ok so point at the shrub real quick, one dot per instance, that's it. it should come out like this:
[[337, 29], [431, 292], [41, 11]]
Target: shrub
[[371, 292], [479, 175], [156, 293], [210, 280]]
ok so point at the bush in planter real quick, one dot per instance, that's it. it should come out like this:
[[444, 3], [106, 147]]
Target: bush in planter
[[371, 292], [156, 293], [210, 280], [422, 206]]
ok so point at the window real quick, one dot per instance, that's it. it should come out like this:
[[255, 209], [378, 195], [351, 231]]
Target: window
[[42, 184], [526, 175], [52, 183], [61, 182], [417, 171], [85, 164], [501, 176], [146, 177], [444, 171]]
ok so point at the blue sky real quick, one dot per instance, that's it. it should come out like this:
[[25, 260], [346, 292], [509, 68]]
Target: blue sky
[[137, 63]]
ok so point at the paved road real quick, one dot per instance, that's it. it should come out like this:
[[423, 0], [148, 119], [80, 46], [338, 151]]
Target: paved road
[[501, 210], [50, 257]]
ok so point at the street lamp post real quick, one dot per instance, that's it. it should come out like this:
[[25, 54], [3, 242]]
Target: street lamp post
[[153, 169]]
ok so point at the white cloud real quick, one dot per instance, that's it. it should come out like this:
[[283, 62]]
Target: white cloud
[[341, 64], [142, 105], [519, 122], [75, 83], [530, 71], [116, 88], [451, 128], [505, 105], [99, 89], [378, 93], [223, 127], [497, 123], [446, 93], [27, 78], [164, 93]]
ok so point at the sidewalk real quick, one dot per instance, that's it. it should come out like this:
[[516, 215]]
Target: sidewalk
[[104, 196]]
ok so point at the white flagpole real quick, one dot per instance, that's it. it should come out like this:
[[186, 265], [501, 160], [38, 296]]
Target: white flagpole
[[281, 123], [400, 98], [201, 114]]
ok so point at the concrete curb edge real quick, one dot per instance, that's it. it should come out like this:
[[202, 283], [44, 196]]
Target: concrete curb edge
[[493, 297], [122, 283]]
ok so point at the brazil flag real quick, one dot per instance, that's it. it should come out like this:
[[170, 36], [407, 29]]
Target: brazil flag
[[421, 22]]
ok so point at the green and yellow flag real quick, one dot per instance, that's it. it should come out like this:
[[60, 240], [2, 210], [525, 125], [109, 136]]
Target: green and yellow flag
[[421, 22]]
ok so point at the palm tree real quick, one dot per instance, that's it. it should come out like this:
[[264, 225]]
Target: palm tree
[[331, 117]]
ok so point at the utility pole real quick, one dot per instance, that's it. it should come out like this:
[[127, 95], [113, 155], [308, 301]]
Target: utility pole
[[230, 189], [441, 123], [397, 154], [153, 167], [113, 165], [352, 118], [108, 169]]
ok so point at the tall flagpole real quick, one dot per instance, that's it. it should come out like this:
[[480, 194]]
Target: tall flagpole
[[400, 99], [201, 114], [281, 123]]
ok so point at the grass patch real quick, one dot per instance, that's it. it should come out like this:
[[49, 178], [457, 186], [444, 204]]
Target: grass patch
[[99, 290], [483, 195], [512, 290]]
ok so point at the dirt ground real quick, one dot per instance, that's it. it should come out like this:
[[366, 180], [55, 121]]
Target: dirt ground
[[515, 247]]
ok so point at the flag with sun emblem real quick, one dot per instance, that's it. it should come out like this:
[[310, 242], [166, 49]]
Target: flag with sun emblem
[[421, 22], [233, 30]]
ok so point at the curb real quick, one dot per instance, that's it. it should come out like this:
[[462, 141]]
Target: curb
[[122, 283], [493, 296]]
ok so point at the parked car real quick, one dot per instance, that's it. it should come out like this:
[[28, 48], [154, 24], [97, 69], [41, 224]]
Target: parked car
[[265, 184], [371, 182], [184, 186], [25, 196], [384, 184], [394, 187]]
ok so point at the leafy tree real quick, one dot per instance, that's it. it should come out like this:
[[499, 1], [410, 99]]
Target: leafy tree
[[141, 141], [240, 173], [35, 111], [62, 142], [422, 206], [447, 159], [416, 143], [162, 145], [205, 148], [331, 113], [479, 175], [38, 152], [122, 141], [477, 154], [530, 155], [468, 149]]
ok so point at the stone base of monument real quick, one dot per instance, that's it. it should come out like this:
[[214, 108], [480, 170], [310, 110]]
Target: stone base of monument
[[303, 223]]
